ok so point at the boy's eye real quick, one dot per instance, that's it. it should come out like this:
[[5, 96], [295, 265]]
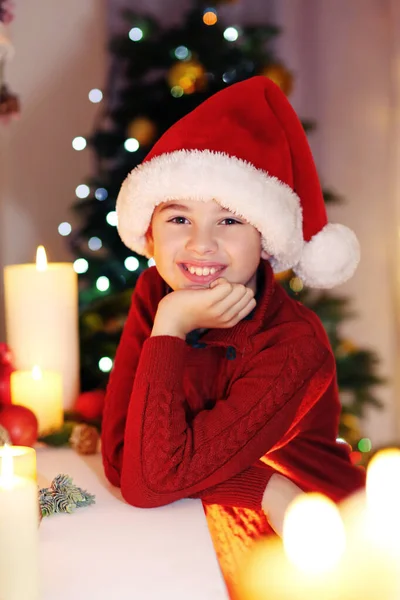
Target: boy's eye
[[178, 220], [230, 221]]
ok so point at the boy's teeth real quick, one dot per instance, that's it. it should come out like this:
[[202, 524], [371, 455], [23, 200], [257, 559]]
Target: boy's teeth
[[202, 272]]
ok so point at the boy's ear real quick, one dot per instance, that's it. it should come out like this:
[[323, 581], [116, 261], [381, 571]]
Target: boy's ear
[[150, 241], [265, 255]]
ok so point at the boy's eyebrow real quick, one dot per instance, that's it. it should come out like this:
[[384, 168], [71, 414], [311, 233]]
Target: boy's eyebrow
[[176, 206], [173, 207]]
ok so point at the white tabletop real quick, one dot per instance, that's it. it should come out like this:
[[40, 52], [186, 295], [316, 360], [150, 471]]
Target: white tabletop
[[113, 550]]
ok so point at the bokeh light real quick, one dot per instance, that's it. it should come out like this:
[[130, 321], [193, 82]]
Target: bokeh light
[[79, 143], [101, 194], [82, 191], [105, 364], [131, 263], [64, 228], [131, 145], [231, 34], [81, 265], [136, 34], [95, 96], [95, 243], [103, 283]]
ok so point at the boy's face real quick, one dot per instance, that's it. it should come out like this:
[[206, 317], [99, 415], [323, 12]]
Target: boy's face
[[190, 235]]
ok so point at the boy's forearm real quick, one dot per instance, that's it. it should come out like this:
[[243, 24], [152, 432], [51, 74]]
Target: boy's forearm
[[278, 495]]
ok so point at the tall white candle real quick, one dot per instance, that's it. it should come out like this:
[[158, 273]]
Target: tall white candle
[[19, 537], [41, 306]]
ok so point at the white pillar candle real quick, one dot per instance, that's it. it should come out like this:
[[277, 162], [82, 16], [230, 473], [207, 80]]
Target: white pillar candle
[[24, 461], [19, 510], [41, 392], [41, 306]]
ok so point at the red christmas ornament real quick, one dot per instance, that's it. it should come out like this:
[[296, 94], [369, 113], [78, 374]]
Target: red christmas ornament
[[21, 424], [89, 405], [6, 368]]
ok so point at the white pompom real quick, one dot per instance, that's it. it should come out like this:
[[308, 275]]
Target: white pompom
[[329, 258]]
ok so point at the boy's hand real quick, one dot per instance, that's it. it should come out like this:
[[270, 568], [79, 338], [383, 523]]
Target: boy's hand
[[220, 306]]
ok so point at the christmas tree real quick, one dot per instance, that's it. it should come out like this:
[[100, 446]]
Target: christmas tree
[[157, 76]]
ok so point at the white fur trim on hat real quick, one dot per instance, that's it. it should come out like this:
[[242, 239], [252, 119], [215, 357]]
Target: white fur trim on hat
[[265, 202], [329, 258]]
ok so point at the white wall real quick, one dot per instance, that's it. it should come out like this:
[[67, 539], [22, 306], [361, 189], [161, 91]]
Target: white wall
[[60, 56], [343, 53]]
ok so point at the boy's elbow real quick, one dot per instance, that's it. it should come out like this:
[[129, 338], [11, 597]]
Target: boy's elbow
[[141, 496], [111, 473]]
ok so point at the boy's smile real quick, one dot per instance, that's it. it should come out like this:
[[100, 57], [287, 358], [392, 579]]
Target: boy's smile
[[195, 242], [202, 272]]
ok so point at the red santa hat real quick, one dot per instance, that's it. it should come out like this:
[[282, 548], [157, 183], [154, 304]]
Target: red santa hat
[[245, 148]]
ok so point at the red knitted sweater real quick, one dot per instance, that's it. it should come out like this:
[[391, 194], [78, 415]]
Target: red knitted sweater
[[215, 419]]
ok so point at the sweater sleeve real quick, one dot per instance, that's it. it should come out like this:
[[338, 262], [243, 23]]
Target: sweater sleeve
[[137, 328], [166, 458], [313, 463]]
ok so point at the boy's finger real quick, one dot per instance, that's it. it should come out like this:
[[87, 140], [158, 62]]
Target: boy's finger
[[216, 282]]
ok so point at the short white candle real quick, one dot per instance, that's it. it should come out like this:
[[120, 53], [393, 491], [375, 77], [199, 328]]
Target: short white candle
[[41, 392], [24, 461], [41, 306], [19, 537]]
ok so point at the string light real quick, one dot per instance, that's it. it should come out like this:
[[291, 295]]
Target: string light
[[82, 191], [365, 445], [112, 218], [182, 53], [151, 262], [296, 284], [105, 364], [135, 34], [131, 263], [103, 283], [177, 91], [95, 243], [64, 228], [95, 96], [131, 145], [101, 194], [231, 34], [229, 76], [79, 143], [210, 16], [81, 265]]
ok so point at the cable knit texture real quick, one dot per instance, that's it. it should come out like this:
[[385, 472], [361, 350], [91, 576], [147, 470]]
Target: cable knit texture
[[185, 420]]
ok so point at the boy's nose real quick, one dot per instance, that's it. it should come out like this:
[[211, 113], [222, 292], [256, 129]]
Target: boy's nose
[[202, 242]]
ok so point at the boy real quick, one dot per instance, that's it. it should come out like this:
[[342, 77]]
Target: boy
[[223, 387]]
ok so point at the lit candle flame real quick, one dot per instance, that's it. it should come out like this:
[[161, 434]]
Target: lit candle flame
[[314, 536], [36, 373], [7, 468], [41, 259]]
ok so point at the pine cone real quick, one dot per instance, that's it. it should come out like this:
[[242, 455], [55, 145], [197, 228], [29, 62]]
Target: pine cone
[[4, 436], [84, 439]]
